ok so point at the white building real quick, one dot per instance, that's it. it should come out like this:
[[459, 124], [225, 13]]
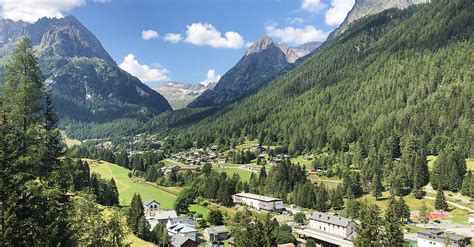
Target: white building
[[328, 228], [259, 202], [186, 230], [155, 215], [151, 207], [438, 238]]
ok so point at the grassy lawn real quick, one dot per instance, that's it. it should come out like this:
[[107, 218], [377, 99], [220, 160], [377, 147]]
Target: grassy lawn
[[244, 175], [300, 160], [170, 162], [127, 187], [456, 215], [68, 141], [200, 209]]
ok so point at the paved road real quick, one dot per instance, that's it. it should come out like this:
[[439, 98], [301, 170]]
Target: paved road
[[466, 230]]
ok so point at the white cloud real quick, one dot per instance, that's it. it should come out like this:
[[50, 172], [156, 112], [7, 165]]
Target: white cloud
[[206, 34], [173, 37], [149, 34], [211, 77], [295, 21], [297, 36], [338, 11], [31, 11], [312, 6], [144, 72]]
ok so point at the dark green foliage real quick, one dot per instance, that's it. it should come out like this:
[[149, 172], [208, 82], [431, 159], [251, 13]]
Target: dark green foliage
[[449, 169], [393, 234], [263, 232], [440, 202], [285, 235], [37, 208], [159, 234], [135, 214], [466, 184], [215, 218], [183, 201], [369, 231], [299, 218]]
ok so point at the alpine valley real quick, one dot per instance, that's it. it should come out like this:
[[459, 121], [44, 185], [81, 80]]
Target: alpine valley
[[344, 123]]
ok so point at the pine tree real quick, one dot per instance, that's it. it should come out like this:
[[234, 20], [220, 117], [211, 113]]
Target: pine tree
[[466, 184], [424, 213], [135, 213], [369, 230], [377, 187], [114, 194], [393, 235], [440, 202]]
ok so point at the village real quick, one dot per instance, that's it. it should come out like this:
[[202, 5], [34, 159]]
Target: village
[[321, 228]]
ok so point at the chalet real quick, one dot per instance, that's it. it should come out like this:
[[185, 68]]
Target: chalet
[[259, 202], [222, 159], [170, 169], [328, 229], [150, 207], [435, 238], [161, 217], [216, 233], [214, 147], [192, 169]]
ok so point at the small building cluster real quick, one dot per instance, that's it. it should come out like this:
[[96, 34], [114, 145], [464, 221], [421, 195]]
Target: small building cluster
[[181, 230]]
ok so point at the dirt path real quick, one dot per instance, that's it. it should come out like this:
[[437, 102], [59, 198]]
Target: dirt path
[[451, 203]]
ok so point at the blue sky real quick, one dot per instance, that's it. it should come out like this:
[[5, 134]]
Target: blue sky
[[182, 40]]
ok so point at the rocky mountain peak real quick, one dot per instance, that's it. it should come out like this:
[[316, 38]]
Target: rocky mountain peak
[[260, 45]]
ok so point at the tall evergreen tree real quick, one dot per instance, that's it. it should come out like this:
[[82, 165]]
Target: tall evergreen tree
[[135, 213], [369, 233], [440, 202]]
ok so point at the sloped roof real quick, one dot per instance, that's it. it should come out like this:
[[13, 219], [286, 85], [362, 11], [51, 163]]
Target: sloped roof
[[330, 218], [216, 229], [150, 201]]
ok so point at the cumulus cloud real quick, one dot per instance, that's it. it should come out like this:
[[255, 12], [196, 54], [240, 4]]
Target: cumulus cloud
[[338, 11], [205, 34], [297, 36], [173, 37], [144, 72], [149, 34], [31, 11], [211, 77], [312, 6]]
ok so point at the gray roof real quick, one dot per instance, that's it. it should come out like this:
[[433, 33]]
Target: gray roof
[[149, 201], [330, 218], [182, 220], [440, 236], [179, 239], [164, 215], [217, 229]]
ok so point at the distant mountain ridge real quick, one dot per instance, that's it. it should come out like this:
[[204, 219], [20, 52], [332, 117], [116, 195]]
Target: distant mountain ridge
[[179, 95], [263, 62], [86, 82]]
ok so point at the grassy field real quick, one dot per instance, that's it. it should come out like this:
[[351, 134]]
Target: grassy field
[[68, 141], [244, 175], [127, 187], [456, 215]]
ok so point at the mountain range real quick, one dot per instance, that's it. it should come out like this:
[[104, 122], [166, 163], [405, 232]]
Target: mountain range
[[263, 62], [179, 95], [86, 83]]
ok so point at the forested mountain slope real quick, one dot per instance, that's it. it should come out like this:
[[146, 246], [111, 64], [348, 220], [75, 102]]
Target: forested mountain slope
[[389, 76], [86, 83]]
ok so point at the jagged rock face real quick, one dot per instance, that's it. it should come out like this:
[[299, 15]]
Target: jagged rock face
[[179, 95], [86, 82], [371, 7], [263, 62]]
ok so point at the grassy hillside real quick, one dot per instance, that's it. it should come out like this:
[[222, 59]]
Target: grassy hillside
[[127, 187]]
